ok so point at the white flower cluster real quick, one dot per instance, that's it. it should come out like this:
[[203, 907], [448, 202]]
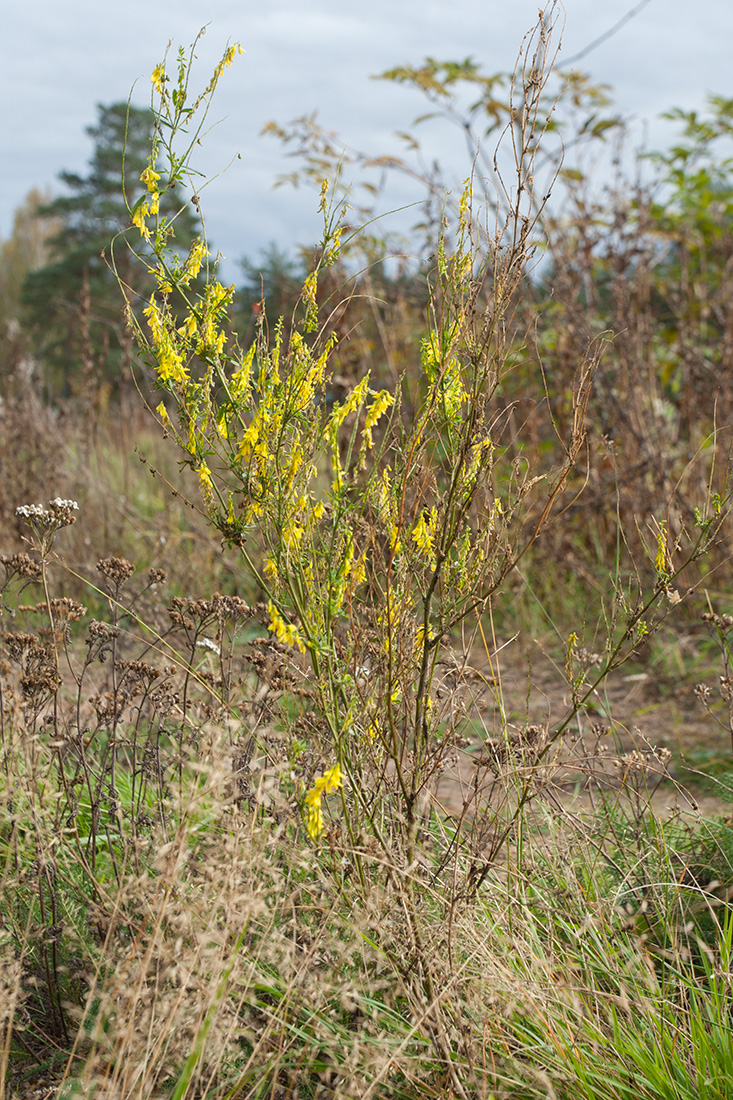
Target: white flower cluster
[[55, 506], [45, 522], [32, 511]]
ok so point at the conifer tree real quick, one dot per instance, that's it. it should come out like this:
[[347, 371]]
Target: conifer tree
[[72, 304]]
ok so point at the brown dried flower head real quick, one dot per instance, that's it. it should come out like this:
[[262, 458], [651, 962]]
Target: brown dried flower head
[[117, 570]]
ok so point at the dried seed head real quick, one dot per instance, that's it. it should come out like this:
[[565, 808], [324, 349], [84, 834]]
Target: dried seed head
[[99, 630], [67, 609], [20, 644], [723, 622], [45, 522], [117, 570], [20, 565]]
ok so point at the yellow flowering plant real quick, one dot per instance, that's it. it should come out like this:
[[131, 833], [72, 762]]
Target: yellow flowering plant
[[378, 522], [378, 517], [363, 526]]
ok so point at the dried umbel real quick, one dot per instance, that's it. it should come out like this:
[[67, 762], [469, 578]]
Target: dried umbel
[[67, 609], [45, 522], [39, 673], [116, 570], [190, 615], [655, 760], [20, 565], [102, 631], [723, 622]]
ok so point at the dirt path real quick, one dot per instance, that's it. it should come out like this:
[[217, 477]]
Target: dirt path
[[632, 712]]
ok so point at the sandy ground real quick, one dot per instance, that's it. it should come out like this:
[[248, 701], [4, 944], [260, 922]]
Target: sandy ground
[[632, 711]]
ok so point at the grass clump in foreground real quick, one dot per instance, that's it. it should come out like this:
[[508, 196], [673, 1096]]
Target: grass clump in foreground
[[228, 868]]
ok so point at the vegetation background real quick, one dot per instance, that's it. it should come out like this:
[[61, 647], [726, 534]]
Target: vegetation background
[[333, 756]]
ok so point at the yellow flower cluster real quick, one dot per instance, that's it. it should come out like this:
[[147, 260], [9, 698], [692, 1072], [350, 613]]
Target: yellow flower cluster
[[150, 177], [424, 534], [159, 78], [170, 363], [194, 261], [352, 402], [242, 378], [355, 399], [211, 338], [387, 510], [444, 372], [147, 208], [139, 215], [229, 54], [309, 297], [306, 373], [661, 559], [285, 632], [350, 575], [313, 811], [375, 412], [207, 485]]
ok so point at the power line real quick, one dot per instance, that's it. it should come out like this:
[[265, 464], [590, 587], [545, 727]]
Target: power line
[[607, 34]]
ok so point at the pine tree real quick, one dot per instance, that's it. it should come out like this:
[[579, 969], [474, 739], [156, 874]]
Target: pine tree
[[73, 304]]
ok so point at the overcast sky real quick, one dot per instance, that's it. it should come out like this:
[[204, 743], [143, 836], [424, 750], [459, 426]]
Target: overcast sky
[[58, 59]]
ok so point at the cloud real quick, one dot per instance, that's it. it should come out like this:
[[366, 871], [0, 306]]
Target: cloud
[[301, 55]]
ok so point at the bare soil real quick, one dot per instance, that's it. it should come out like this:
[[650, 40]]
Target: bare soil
[[633, 711]]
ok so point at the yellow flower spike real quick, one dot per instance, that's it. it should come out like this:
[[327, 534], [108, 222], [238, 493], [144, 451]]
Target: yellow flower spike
[[334, 248], [378, 407], [262, 453], [170, 363], [242, 378], [163, 414], [309, 296], [421, 536], [231, 53], [249, 439], [150, 177], [314, 824], [158, 79], [424, 534], [352, 402], [194, 262], [207, 485], [138, 220], [221, 425], [333, 778], [660, 560], [164, 284], [327, 783], [464, 200], [188, 328], [292, 535], [285, 632]]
